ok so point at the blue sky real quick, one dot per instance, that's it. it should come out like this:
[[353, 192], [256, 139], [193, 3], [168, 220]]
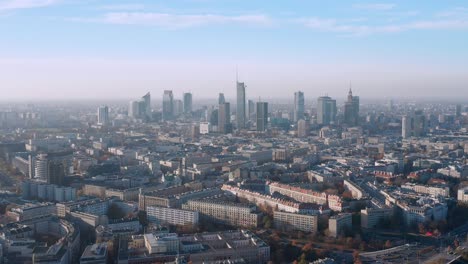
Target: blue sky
[[120, 49]]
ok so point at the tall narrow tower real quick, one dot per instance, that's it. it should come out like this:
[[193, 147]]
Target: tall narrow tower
[[240, 116]]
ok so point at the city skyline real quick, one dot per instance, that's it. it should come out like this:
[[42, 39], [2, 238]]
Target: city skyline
[[386, 49]]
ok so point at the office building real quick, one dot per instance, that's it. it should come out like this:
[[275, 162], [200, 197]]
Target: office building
[[326, 110], [178, 108], [240, 107], [103, 115], [458, 110], [251, 110], [303, 128], [298, 106], [224, 118], [187, 103], [55, 172], [41, 167], [413, 125], [146, 99], [141, 109], [337, 224], [168, 105], [262, 116], [221, 99], [351, 109]]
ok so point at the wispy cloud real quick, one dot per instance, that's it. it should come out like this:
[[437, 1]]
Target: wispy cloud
[[375, 6], [175, 21], [125, 7], [356, 29], [25, 4]]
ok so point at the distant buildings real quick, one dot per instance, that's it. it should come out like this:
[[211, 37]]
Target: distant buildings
[[103, 115], [251, 110], [351, 109], [326, 110], [298, 106], [303, 128], [168, 105], [240, 107], [262, 116], [187, 103], [221, 99], [141, 109], [224, 118], [413, 125]]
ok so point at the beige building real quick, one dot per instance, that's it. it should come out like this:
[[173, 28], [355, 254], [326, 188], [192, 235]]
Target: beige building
[[225, 212], [291, 221]]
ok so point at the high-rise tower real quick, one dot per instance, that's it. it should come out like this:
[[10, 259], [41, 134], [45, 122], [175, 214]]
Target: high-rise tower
[[168, 105], [187, 103], [326, 110], [262, 116], [298, 106], [351, 109], [240, 110], [103, 115]]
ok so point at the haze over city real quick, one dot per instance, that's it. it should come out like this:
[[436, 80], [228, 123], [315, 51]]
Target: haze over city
[[66, 49], [233, 132]]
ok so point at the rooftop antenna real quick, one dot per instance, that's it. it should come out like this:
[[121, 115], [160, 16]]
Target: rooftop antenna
[[237, 75]]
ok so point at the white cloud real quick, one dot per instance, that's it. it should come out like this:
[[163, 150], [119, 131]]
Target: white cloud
[[375, 6], [125, 7], [343, 27], [25, 4], [175, 21]]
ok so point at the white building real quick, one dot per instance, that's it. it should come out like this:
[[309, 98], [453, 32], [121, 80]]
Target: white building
[[163, 215]]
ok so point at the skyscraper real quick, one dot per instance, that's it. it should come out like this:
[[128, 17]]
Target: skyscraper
[[168, 105], [134, 109], [262, 116], [147, 104], [458, 110], [413, 125], [187, 103], [224, 118], [141, 108], [240, 108], [56, 172], [303, 128], [326, 110], [178, 108], [221, 99], [251, 110], [103, 115], [351, 109], [298, 106]]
